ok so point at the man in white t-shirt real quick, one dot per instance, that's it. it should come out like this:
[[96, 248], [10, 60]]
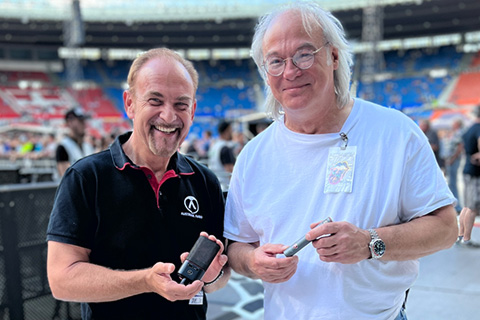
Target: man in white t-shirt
[[369, 168]]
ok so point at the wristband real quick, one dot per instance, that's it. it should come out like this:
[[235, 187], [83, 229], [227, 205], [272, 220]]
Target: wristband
[[206, 284]]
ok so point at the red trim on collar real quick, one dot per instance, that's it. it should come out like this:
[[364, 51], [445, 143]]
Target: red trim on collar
[[154, 183], [125, 165]]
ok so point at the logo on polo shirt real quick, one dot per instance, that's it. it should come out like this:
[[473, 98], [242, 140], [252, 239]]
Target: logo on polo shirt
[[191, 204]]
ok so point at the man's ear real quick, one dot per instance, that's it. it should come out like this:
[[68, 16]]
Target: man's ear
[[334, 56], [194, 107], [128, 104]]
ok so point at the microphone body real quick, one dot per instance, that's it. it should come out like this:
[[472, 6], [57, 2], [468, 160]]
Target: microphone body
[[198, 260]]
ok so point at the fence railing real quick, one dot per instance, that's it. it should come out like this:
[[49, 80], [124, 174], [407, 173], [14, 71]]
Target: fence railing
[[24, 214]]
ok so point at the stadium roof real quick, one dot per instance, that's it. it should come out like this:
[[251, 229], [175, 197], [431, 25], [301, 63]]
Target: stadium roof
[[164, 10], [37, 26]]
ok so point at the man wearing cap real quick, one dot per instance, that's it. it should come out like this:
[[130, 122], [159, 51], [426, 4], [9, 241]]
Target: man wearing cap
[[73, 147]]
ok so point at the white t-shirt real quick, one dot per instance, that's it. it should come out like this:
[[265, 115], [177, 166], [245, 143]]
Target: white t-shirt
[[277, 191], [74, 151]]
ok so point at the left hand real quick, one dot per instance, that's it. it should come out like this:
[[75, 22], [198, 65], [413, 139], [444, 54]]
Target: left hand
[[346, 244], [218, 262], [475, 159]]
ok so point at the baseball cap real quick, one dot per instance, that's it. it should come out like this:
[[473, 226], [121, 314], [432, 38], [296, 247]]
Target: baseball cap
[[76, 112]]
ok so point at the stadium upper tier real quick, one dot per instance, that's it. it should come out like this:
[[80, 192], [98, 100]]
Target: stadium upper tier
[[232, 88]]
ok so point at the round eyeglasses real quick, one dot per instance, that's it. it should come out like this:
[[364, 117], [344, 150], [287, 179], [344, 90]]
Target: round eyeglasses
[[302, 59]]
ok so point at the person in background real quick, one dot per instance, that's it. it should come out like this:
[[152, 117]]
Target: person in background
[[471, 176], [50, 146], [73, 146], [433, 139], [124, 219], [221, 157], [205, 144], [451, 151], [327, 154]]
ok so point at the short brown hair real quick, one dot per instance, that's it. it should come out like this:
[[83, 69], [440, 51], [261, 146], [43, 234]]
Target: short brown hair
[[159, 52]]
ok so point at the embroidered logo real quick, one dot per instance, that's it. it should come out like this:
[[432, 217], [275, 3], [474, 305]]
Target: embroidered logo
[[192, 206]]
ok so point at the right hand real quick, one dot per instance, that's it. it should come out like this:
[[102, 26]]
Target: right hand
[[158, 280], [266, 266]]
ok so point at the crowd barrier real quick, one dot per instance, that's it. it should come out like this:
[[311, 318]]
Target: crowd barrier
[[24, 214]]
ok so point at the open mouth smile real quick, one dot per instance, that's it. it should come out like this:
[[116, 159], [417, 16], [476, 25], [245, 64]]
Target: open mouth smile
[[165, 130]]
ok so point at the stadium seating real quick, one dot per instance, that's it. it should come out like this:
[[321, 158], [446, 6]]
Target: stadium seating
[[466, 90], [37, 104], [410, 84], [226, 88], [6, 112], [96, 103]]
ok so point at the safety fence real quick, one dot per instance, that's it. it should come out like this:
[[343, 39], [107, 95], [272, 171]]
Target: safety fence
[[24, 291]]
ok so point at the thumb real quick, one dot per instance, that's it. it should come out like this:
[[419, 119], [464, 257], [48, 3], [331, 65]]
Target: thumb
[[274, 248], [183, 256], [165, 268], [223, 259]]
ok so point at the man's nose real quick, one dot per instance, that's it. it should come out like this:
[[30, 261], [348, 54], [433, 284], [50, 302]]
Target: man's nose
[[168, 114], [291, 70]]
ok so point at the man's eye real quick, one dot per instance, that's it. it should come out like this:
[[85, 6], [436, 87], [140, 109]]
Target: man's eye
[[304, 54], [274, 61], [182, 106], [154, 101]]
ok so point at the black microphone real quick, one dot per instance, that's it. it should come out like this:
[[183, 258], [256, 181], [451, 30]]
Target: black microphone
[[198, 260]]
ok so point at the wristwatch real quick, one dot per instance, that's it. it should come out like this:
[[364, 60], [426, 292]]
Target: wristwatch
[[376, 245]]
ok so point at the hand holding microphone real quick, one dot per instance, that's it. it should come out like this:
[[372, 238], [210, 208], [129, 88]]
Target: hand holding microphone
[[302, 242]]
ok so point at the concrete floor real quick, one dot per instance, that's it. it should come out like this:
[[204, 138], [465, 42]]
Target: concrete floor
[[448, 288]]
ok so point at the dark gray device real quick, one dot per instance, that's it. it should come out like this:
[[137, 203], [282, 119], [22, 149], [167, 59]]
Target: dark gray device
[[198, 260], [302, 242]]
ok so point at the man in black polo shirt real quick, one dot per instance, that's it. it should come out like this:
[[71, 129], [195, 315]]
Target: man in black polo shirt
[[123, 217]]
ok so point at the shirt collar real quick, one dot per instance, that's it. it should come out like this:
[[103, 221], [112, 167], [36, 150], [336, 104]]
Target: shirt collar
[[177, 163]]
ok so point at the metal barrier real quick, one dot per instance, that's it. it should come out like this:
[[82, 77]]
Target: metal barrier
[[24, 214]]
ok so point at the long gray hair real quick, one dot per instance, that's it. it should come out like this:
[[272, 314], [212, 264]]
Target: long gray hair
[[313, 18]]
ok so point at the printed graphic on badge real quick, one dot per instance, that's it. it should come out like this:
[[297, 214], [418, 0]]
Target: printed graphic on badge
[[340, 170]]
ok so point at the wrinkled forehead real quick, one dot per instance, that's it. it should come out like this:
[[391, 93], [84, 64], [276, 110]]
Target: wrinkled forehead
[[288, 28]]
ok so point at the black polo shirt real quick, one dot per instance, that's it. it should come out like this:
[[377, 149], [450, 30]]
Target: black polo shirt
[[129, 220]]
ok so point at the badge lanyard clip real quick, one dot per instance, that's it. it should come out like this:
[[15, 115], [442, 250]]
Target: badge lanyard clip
[[345, 140]]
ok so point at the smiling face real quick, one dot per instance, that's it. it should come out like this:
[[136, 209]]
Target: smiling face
[[162, 107], [298, 89]]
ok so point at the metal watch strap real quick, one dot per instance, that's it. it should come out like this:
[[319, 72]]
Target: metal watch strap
[[373, 234]]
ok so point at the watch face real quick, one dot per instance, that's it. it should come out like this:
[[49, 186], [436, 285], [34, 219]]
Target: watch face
[[379, 247]]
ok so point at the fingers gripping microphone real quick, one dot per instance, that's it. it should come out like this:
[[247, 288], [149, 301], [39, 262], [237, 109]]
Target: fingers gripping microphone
[[302, 242], [198, 260]]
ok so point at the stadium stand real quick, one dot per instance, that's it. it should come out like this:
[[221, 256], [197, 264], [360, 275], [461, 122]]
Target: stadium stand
[[466, 90]]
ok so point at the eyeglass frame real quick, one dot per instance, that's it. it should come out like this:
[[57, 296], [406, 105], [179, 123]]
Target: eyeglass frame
[[285, 61]]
